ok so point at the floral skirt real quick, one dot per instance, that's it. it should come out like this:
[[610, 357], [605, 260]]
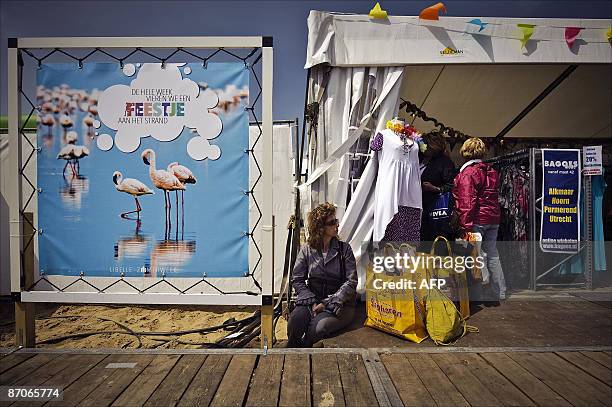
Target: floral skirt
[[405, 227]]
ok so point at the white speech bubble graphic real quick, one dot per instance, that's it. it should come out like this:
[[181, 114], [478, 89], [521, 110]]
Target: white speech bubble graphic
[[104, 142], [160, 103]]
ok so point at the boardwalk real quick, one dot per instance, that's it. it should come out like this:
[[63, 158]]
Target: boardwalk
[[319, 377]]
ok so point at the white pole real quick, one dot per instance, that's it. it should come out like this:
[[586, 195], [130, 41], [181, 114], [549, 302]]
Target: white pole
[[14, 178], [267, 263]]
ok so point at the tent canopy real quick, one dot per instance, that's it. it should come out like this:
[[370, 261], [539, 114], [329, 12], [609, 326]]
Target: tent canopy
[[357, 40], [481, 100], [464, 90]]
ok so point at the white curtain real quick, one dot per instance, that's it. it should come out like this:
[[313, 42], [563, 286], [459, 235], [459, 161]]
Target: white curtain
[[355, 100]]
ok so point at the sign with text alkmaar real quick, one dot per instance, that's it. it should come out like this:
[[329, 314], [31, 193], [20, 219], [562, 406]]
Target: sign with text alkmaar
[[560, 220]]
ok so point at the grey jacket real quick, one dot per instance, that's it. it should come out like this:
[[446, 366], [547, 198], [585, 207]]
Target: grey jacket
[[310, 263]]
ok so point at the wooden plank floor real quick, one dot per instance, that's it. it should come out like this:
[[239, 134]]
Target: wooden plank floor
[[492, 377]]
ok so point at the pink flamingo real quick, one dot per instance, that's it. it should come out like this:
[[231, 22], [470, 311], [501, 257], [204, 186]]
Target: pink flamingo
[[184, 175], [133, 187], [162, 179]]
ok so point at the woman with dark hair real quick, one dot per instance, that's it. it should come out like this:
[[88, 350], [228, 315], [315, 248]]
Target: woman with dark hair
[[438, 173], [325, 279]]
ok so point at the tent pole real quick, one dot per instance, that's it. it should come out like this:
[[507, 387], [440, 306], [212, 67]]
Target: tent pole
[[567, 72], [532, 219]]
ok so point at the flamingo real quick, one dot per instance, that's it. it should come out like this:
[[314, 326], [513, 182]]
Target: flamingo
[[162, 179], [72, 154], [48, 121], [66, 122], [71, 137], [133, 187], [89, 122], [79, 152], [67, 153], [184, 175]]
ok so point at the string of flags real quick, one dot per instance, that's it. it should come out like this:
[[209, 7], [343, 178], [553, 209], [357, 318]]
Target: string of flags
[[432, 13]]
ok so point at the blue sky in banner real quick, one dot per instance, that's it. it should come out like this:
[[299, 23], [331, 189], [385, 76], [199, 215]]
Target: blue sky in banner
[[80, 214]]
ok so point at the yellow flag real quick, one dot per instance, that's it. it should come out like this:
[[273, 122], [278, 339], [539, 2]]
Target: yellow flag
[[527, 30], [609, 34], [378, 12]]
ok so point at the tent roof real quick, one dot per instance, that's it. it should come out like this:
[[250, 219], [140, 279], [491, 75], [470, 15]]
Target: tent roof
[[481, 100], [483, 86], [357, 40]]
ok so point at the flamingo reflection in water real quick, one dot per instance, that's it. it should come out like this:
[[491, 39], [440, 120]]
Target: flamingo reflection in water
[[133, 247], [133, 187], [75, 187], [169, 256]]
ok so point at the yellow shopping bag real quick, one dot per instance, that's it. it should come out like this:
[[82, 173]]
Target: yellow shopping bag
[[393, 304], [456, 287]]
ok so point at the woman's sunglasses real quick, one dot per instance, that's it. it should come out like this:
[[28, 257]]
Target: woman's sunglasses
[[333, 223]]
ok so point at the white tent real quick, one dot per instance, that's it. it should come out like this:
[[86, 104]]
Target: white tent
[[480, 82]]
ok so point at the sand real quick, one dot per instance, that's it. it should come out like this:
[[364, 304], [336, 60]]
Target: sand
[[55, 320]]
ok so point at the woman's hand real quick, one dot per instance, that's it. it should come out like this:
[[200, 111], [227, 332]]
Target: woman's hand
[[429, 187], [317, 308]]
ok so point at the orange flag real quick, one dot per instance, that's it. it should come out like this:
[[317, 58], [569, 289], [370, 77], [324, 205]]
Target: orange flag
[[432, 12]]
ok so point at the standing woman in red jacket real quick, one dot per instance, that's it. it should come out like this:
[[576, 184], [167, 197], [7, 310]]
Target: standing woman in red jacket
[[476, 192]]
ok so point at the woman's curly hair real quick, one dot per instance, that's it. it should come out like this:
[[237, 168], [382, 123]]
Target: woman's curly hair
[[316, 224]]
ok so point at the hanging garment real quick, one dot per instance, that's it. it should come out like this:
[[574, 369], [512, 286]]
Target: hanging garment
[[398, 182], [598, 188], [514, 220], [575, 264]]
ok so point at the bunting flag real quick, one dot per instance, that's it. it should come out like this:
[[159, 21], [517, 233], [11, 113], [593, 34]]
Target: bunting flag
[[377, 12], [479, 23], [432, 12], [527, 30], [609, 34], [570, 35]]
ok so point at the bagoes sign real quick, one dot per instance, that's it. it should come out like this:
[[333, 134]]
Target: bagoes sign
[[143, 170], [560, 227]]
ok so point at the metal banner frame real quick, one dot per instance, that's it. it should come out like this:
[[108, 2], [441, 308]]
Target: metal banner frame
[[17, 209], [585, 245]]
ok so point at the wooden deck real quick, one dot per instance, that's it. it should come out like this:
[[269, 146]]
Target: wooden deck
[[318, 377]]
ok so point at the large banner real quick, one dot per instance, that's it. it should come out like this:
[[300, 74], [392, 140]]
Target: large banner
[[143, 169], [560, 227]]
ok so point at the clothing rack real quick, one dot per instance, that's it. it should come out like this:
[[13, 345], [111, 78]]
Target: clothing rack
[[510, 157], [533, 161]]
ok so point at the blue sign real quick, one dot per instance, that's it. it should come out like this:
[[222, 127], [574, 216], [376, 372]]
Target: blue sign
[[560, 226], [120, 145]]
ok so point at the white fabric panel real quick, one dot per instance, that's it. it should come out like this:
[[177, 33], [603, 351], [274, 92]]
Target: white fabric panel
[[357, 224], [283, 196], [391, 83], [356, 40], [5, 276]]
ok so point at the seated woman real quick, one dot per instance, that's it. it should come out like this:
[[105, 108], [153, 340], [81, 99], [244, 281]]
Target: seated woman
[[325, 279]]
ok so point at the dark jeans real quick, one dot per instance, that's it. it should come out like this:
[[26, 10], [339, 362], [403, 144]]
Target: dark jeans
[[303, 330]]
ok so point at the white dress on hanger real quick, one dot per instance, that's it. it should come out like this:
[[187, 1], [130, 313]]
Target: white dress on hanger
[[398, 181]]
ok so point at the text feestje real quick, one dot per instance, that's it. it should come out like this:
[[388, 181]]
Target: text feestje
[[406, 263]]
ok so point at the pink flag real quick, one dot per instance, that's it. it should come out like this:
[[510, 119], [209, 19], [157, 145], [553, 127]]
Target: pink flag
[[570, 35]]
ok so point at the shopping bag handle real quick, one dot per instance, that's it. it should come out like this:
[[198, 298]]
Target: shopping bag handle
[[433, 246]]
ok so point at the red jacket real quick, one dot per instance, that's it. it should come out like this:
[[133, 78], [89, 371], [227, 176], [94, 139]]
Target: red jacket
[[476, 192]]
